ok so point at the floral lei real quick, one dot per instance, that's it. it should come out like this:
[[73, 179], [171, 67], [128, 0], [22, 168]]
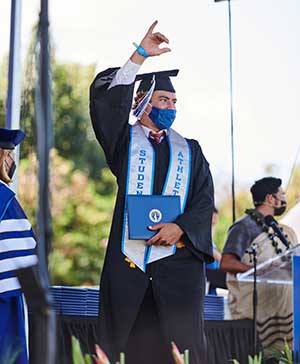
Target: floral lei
[[259, 219]]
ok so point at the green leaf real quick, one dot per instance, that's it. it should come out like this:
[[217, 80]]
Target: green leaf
[[76, 351]]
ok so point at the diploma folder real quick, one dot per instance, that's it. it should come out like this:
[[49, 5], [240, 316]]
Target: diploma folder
[[148, 210]]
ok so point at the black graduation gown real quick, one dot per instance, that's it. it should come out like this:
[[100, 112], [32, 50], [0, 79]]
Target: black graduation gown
[[177, 282]]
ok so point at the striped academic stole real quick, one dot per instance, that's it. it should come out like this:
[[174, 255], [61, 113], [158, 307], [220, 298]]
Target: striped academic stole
[[140, 179], [17, 242]]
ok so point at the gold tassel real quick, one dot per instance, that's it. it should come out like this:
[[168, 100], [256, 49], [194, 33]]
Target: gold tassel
[[131, 264], [180, 245]]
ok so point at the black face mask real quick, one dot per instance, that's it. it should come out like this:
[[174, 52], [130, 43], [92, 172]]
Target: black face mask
[[12, 170], [280, 210]]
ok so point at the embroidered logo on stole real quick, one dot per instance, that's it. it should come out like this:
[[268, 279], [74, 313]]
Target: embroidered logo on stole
[[140, 179]]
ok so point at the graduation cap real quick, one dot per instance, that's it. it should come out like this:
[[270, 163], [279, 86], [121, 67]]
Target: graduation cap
[[9, 139], [162, 80]]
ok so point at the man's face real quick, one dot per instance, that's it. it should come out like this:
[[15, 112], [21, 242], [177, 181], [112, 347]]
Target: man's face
[[279, 202], [279, 197], [164, 100]]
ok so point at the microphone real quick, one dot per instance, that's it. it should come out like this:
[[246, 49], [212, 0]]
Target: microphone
[[270, 221]]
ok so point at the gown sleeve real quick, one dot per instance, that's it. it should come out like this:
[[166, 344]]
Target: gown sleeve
[[197, 217], [238, 240], [109, 110]]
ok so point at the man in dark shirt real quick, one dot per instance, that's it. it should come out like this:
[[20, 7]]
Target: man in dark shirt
[[274, 302]]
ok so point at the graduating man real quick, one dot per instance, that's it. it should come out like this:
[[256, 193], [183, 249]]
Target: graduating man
[[152, 292]]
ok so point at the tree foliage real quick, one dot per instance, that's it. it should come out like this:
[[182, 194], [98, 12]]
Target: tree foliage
[[81, 220], [73, 135]]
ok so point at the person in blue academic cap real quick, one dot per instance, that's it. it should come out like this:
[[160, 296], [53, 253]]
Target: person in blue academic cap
[[152, 293], [17, 250]]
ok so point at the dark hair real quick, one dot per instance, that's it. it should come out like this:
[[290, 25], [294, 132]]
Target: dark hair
[[138, 98], [264, 187], [216, 210]]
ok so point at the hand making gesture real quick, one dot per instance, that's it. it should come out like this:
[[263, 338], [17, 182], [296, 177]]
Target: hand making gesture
[[150, 44]]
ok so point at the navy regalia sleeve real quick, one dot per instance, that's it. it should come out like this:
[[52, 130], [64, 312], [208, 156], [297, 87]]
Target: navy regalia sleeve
[[17, 243]]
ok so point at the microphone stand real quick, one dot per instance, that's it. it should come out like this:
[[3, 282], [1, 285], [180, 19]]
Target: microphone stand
[[252, 251]]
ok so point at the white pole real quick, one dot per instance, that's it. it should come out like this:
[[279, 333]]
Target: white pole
[[13, 105]]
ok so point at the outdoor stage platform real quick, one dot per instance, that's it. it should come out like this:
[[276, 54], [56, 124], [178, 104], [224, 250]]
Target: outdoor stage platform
[[226, 339]]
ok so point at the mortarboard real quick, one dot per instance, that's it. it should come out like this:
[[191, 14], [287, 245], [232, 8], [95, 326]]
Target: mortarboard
[[162, 80], [9, 139]]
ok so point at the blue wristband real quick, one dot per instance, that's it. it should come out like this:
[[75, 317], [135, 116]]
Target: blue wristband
[[141, 51]]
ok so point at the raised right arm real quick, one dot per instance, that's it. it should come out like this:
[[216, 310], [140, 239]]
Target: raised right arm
[[111, 96]]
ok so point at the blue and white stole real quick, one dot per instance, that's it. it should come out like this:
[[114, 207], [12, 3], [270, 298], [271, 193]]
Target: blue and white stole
[[140, 179], [17, 242]]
